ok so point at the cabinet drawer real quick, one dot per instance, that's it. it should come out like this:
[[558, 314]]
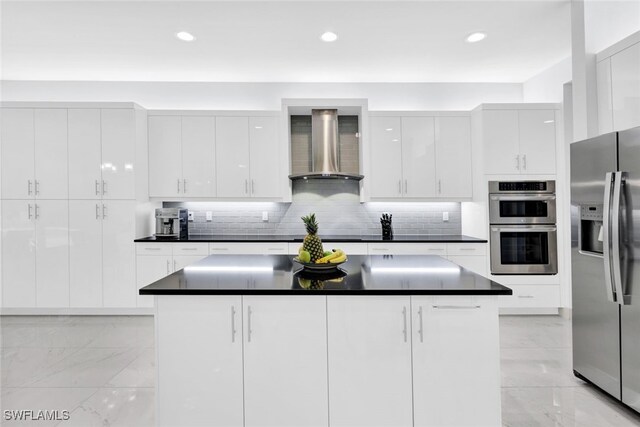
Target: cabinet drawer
[[348, 247], [532, 296], [154, 248], [466, 248], [408, 249], [190, 249], [249, 248]]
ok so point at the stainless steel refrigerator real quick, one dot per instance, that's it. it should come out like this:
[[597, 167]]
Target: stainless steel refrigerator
[[605, 258]]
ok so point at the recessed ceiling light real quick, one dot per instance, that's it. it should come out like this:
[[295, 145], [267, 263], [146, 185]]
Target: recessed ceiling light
[[329, 37], [475, 37], [185, 37]]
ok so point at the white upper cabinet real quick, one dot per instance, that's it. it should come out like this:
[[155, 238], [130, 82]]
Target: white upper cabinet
[[625, 83], [500, 137], [537, 135], [519, 141], [264, 156], [198, 157], [386, 157], [605, 109], [51, 164], [232, 160], [165, 156], [85, 154], [453, 151], [118, 153], [418, 157], [18, 152]]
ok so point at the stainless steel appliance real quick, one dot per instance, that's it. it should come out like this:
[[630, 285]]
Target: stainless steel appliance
[[523, 233], [605, 263], [172, 223]]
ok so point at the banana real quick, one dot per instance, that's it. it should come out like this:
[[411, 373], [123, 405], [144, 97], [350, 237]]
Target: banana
[[337, 253], [341, 258]]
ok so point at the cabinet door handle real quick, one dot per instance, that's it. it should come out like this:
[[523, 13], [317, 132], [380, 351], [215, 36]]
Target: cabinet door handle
[[468, 249], [189, 249], [168, 272], [525, 296], [97, 188], [456, 307], [37, 211], [30, 215], [29, 187], [252, 187], [104, 211], [178, 181], [406, 187], [152, 249], [439, 186], [421, 330], [380, 249], [246, 186], [404, 323], [219, 249], [104, 187], [518, 162], [524, 162], [399, 186], [249, 323], [233, 323], [174, 265], [184, 186], [97, 211], [37, 189]]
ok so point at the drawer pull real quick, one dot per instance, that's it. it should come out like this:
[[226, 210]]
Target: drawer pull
[[152, 249], [189, 249], [380, 249], [525, 296], [275, 249], [436, 249], [468, 249], [219, 249]]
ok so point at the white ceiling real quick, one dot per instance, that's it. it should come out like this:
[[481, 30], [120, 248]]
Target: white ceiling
[[278, 41]]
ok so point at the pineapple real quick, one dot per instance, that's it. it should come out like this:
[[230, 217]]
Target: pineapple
[[312, 242]]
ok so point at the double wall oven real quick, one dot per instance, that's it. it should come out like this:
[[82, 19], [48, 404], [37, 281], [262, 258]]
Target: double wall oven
[[523, 233]]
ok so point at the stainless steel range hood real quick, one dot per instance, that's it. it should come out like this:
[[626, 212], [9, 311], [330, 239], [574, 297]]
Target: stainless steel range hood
[[325, 148]]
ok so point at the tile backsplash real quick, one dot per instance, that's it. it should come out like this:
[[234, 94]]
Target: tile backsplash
[[336, 205]]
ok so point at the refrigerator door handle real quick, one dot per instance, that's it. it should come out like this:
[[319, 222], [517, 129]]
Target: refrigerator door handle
[[606, 243], [615, 238]]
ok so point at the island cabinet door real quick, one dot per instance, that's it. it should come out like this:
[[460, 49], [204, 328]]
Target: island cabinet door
[[285, 361], [456, 361], [199, 342], [369, 361]]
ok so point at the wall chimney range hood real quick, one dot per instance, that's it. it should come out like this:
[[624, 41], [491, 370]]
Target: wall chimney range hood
[[325, 148]]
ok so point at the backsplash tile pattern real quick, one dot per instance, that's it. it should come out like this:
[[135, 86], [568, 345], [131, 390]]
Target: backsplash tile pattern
[[338, 209]]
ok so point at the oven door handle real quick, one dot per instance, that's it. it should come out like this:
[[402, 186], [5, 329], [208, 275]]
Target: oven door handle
[[522, 197], [606, 238], [526, 228]]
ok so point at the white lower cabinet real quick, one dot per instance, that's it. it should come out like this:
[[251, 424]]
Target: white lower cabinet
[[456, 361], [285, 361], [232, 248], [118, 254], [148, 270], [369, 360], [200, 381], [532, 296], [85, 253]]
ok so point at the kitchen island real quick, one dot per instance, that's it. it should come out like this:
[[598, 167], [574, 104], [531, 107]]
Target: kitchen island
[[384, 341]]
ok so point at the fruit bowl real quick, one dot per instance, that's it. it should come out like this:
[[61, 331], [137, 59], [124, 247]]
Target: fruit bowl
[[312, 266]]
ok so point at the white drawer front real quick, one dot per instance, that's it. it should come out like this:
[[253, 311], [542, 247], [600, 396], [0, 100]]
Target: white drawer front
[[154, 248], [190, 249], [348, 247], [280, 248], [466, 248], [408, 249], [532, 296]]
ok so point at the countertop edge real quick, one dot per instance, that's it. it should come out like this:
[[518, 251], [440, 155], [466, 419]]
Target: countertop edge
[[257, 239], [377, 292]]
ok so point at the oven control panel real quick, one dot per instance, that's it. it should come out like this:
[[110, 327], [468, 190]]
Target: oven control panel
[[524, 187]]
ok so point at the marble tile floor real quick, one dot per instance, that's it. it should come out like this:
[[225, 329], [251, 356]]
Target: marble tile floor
[[101, 369]]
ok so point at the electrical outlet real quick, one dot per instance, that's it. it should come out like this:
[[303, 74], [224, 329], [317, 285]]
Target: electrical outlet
[[209, 216], [265, 216], [445, 216], [190, 216]]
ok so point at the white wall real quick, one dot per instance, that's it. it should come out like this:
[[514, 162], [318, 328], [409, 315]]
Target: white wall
[[265, 96], [547, 85], [609, 21]]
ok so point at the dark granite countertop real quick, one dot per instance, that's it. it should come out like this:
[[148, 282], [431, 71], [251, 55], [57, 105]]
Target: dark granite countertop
[[360, 275], [418, 238]]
